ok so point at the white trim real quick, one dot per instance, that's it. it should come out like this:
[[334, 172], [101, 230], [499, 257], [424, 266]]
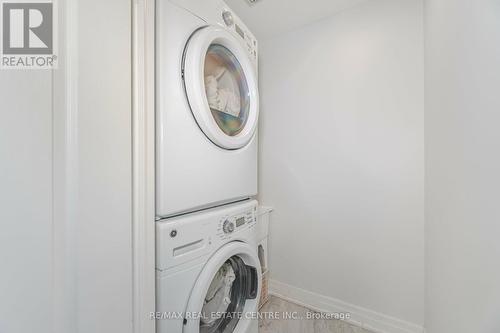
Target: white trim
[[65, 170], [365, 318], [143, 224]]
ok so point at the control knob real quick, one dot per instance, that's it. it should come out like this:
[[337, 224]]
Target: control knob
[[228, 227], [228, 18]]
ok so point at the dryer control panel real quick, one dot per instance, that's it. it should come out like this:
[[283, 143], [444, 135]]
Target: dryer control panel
[[234, 24]]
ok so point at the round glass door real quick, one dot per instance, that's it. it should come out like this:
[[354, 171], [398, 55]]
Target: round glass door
[[221, 87], [226, 292], [226, 296], [226, 89]]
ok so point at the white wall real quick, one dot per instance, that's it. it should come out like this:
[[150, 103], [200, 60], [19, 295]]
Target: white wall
[[462, 166], [65, 175], [25, 201], [342, 157]]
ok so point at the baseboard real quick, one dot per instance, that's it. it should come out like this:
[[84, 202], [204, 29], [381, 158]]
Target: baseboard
[[365, 318]]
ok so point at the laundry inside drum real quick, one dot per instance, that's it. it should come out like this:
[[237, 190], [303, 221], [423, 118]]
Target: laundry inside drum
[[225, 298], [226, 89]]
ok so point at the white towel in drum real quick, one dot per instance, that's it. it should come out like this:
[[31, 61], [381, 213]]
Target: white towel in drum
[[218, 295], [212, 91], [221, 99], [230, 101]]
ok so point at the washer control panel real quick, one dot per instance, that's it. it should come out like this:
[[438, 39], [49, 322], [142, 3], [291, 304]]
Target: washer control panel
[[234, 223], [228, 226]]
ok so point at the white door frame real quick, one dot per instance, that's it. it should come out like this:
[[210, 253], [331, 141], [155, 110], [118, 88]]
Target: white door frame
[[143, 116]]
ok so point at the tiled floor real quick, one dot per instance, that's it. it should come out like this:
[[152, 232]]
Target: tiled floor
[[280, 306]]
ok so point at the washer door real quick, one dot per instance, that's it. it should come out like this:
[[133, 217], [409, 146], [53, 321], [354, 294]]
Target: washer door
[[225, 296], [221, 87]]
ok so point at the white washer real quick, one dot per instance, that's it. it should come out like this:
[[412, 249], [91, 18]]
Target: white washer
[[208, 271], [207, 107]]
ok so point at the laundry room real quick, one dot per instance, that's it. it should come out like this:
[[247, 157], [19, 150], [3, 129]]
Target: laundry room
[[249, 166]]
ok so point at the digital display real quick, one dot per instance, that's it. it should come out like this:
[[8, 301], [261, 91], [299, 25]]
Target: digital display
[[240, 221]]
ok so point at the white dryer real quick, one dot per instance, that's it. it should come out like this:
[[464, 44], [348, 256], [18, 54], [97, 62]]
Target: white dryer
[[207, 107], [208, 271]]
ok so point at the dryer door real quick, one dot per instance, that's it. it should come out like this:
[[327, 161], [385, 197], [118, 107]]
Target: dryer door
[[225, 296], [221, 87]]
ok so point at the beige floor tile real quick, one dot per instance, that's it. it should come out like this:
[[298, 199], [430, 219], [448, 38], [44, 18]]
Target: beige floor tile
[[283, 324]]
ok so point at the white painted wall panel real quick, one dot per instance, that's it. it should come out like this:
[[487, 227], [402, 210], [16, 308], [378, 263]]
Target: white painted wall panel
[[26, 201], [65, 175], [104, 249]]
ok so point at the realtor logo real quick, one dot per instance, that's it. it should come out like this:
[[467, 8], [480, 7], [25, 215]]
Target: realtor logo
[[28, 32]]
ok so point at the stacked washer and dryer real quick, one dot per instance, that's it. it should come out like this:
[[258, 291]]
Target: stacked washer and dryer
[[208, 270]]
